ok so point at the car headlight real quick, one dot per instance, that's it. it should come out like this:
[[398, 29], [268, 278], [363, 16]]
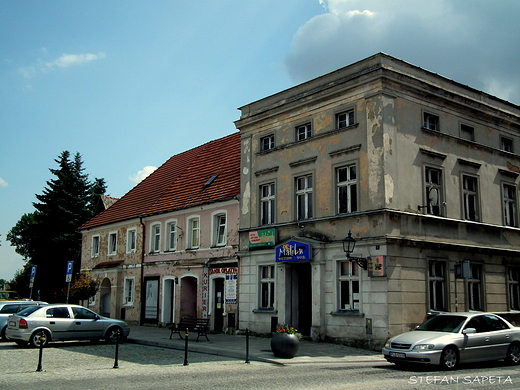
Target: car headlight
[[387, 344], [423, 347]]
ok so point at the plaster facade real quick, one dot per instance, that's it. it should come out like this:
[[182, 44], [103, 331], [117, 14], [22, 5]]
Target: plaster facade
[[422, 171]]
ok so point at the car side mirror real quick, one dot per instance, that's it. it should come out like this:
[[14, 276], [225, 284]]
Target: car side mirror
[[469, 330], [97, 318]]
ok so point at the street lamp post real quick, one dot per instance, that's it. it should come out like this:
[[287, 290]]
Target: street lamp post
[[349, 243]]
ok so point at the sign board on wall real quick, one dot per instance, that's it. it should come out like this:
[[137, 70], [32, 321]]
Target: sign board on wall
[[376, 265], [262, 238], [230, 287], [293, 251]]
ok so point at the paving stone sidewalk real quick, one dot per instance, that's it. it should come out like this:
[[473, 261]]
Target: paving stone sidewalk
[[234, 346]]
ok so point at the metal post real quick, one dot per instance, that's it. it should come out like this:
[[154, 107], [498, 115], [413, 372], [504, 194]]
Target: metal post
[[186, 347], [247, 345], [40, 358], [116, 362]]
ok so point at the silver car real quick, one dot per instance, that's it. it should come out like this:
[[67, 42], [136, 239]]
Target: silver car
[[37, 325], [11, 307], [452, 338]]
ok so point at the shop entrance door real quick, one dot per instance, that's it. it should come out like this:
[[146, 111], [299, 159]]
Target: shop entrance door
[[218, 304], [301, 297]]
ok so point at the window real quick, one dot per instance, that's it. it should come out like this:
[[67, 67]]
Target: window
[[57, 312], [470, 197], [131, 241], [155, 237], [220, 238], [430, 122], [467, 132], [348, 285], [303, 132], [81, 313], [267, 287], [112, 244], [95, 246], [475, 287], [129, 291], [514, 287], [304, 197], [437, 283], [509, 198], [193, 233], [267, 204], [506, 144], [267, 143], [171, 244], [345, 119], [433, 190], [346, 182]]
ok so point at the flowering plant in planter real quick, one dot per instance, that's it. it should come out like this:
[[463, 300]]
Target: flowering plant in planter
[[289, 330]]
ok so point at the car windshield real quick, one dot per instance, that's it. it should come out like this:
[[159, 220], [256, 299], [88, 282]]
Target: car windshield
[[28, 311], [443, 323]]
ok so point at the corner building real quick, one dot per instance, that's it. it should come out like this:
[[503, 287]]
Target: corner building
[[422, 170]]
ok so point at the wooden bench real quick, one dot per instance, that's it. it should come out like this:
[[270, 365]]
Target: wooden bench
[[199, 325]]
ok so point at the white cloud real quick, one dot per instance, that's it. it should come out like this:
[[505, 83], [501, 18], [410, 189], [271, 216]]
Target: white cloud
[[459, 40], [63, 62], [3, 183], [142, 174]]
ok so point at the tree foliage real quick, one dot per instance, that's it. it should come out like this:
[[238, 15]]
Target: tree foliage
[[84, 287], [49, 236]]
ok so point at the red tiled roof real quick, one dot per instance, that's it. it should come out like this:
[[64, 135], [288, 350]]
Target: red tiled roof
[[181, 182]]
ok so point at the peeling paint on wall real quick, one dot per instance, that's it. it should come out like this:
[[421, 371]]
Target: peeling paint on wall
[[246, 198]]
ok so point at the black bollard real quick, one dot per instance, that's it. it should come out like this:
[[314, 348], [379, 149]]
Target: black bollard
[[116, 362], [247, 345], [186, 348], [40, 358]]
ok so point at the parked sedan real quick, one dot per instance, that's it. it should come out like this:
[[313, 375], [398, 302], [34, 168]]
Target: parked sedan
[[37, 325], [452, 338], [11, 307]]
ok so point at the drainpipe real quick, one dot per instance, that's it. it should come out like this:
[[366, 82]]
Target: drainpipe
[[142, 271]]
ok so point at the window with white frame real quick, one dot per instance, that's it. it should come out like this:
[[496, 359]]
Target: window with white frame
[[131, 237], [129, 291], [267, 143], [303, 132], [346, 182], [155, 238], [514, 287], [470, 197], [430, 121], [267, 205], [348, 285], [171, 231], [433, 190], [219, 229], [266, 287], [112, 243], [193, 233], [506, 144], [475, 288], [345, 119], [437, 284], [304, 200], [509, 204], [95, 246]]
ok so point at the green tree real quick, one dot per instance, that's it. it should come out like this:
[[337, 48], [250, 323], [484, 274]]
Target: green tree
[[49, 236]]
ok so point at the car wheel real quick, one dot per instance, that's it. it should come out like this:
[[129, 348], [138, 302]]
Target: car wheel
[[2, 334], [113, 333], [449, 358], [38, 337], [513, 354]]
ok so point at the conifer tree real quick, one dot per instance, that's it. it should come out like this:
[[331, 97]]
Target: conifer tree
[[49, 237]]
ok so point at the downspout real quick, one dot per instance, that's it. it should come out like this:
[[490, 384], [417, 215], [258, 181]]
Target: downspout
[[142, 271]]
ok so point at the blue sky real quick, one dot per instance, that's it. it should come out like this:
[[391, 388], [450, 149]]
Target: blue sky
[[128, 84]]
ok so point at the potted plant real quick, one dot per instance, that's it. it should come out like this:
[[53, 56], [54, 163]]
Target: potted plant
[[285, 342]]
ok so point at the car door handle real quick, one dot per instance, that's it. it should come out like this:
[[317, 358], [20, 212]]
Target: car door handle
[[487, 338], [52, 322], [78, 323]]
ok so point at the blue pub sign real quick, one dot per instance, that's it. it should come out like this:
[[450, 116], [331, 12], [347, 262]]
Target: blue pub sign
[[293, 251]]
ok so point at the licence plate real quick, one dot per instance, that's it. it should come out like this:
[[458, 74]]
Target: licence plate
[[12, 323], [398, 355]]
